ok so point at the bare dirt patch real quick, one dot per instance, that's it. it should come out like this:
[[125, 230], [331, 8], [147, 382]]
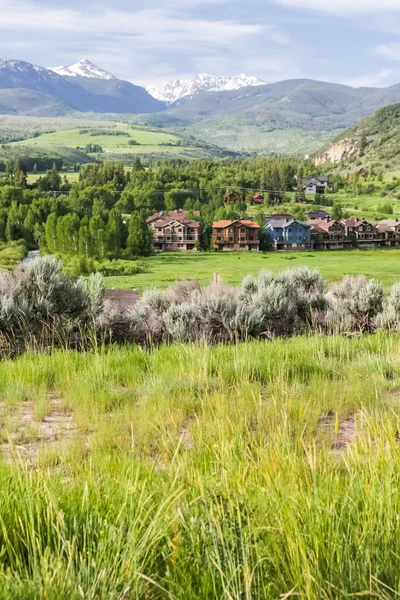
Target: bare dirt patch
[[25, 433], [346, 433]]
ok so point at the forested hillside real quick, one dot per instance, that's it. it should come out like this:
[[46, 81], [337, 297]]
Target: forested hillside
[[372, 144]]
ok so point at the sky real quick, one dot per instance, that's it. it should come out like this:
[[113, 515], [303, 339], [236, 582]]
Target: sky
[[148, 42]]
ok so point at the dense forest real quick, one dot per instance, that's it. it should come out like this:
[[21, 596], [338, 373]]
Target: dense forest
[[103, 215]]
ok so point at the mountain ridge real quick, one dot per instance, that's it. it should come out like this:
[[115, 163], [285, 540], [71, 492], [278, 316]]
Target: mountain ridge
[[176, 89], [69, 93]]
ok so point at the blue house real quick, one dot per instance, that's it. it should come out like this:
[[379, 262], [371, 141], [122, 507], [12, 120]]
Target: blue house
[[288, 234]]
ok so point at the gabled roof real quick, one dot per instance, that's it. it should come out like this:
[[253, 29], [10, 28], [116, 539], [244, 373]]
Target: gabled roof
[[355, 222], [279, 224], [178, 214], [384, 227], [323, 224], [238, 223], [280, 217], [317, 179], [390, 222], [161, 223]]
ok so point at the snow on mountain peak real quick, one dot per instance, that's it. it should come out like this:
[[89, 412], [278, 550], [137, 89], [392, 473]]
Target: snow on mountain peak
[[83, 68], [177, 88]]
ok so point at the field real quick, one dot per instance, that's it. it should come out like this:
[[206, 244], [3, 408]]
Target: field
[[262, 470], [163, 269], [147, 141]]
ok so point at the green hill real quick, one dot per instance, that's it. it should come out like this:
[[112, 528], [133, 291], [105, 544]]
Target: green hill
[[373, 143], [295, 116]]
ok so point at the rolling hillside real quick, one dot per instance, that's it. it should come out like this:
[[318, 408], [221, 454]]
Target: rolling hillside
[[288, 116], [374, 142]]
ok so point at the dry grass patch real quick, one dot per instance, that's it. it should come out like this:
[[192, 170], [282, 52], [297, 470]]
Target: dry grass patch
[[29, 428]]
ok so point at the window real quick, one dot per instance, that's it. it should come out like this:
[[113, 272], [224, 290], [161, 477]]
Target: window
[[219, 230]]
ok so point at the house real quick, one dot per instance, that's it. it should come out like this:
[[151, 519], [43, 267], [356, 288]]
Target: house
[[175, 234], [236, 235], [362, 232], [177, 214], [289, 234], [328, 234], [316, 184], [390, 232], [258, 199], [318, 215]]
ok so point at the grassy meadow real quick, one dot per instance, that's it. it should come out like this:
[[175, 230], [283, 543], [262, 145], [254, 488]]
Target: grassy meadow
[[147, 141], [164, 269], [261, 470]]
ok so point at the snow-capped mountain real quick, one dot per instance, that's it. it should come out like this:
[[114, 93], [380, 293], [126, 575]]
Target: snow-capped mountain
[[178, 88], [83, 68]]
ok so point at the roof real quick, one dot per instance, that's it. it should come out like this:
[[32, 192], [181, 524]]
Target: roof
[[355, 222], [384, 227], [317, 179], [323, 224], [321, 213], [258, 196], [223, 224], [280, 217], [390, 222], [283, 224], [315, 227], [161, 223], [179, 214]]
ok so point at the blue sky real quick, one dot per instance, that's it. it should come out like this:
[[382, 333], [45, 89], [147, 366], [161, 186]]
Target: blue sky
[[356, 42]]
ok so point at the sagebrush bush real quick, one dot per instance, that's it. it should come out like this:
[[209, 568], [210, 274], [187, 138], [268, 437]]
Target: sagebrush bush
[[390, 317], [40, 296], [354, 305]]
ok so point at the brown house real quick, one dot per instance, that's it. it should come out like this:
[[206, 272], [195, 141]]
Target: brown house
[[328, 234], [258, 199], [390, 232], [174, 234], [363, 232], [236, 235]]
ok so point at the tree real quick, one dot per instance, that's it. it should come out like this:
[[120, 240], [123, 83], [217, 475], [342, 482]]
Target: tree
[[114, 233], [50, 233], [337, 212], [137, 165], [140, 236]]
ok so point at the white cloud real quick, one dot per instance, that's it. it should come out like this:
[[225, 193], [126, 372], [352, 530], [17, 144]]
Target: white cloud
[[390, 51], [343, 7]]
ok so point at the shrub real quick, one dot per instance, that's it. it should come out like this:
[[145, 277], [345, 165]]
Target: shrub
[[390, 316], [354, 305]]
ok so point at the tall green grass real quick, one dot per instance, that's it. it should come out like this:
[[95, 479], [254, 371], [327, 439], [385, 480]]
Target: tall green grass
[[207, 472]]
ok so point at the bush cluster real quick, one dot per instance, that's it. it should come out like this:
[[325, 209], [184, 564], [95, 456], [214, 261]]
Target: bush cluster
[[292, 302], [38, 298]]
